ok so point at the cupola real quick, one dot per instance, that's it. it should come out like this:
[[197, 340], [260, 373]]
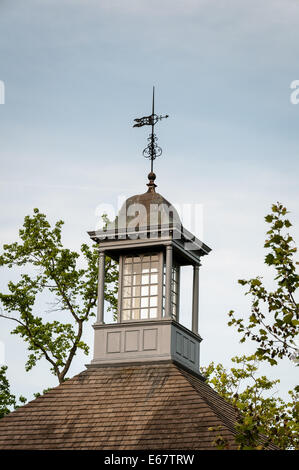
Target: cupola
[[151, 245]]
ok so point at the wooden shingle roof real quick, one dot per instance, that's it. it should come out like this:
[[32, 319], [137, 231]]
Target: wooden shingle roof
[[148, 406]]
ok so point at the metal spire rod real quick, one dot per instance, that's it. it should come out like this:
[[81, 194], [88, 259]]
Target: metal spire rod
[[152, 151], [152, 136]]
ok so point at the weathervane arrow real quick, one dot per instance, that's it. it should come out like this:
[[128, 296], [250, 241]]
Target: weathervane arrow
[[152, 151]]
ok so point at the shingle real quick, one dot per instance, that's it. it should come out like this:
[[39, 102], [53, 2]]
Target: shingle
[[151, 406]]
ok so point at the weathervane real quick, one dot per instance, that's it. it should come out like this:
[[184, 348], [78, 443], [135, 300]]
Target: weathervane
[[152, 151]]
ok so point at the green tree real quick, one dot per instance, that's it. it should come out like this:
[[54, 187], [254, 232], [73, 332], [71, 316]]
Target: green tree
[[261, 417], [70, 277], [274, 315], [7, 400], [272, 324]]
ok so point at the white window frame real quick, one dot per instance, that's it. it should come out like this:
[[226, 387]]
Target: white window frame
[[120, 312]]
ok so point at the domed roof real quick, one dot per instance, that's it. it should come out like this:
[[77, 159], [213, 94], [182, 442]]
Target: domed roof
[[147, 210]]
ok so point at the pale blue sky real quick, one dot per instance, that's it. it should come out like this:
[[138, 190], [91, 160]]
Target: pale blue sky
[[78, 72]]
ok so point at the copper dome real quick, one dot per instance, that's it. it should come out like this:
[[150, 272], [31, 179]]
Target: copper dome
[[149, 209]]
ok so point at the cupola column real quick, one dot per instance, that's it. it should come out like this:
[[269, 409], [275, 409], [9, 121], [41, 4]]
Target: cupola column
[[168, 280], [195, 300], [101, 285]]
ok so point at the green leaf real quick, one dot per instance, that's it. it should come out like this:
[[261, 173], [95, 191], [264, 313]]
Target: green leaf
[[68, 276]]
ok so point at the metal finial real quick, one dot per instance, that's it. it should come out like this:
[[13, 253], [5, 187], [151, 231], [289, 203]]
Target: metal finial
[[152, 151]]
